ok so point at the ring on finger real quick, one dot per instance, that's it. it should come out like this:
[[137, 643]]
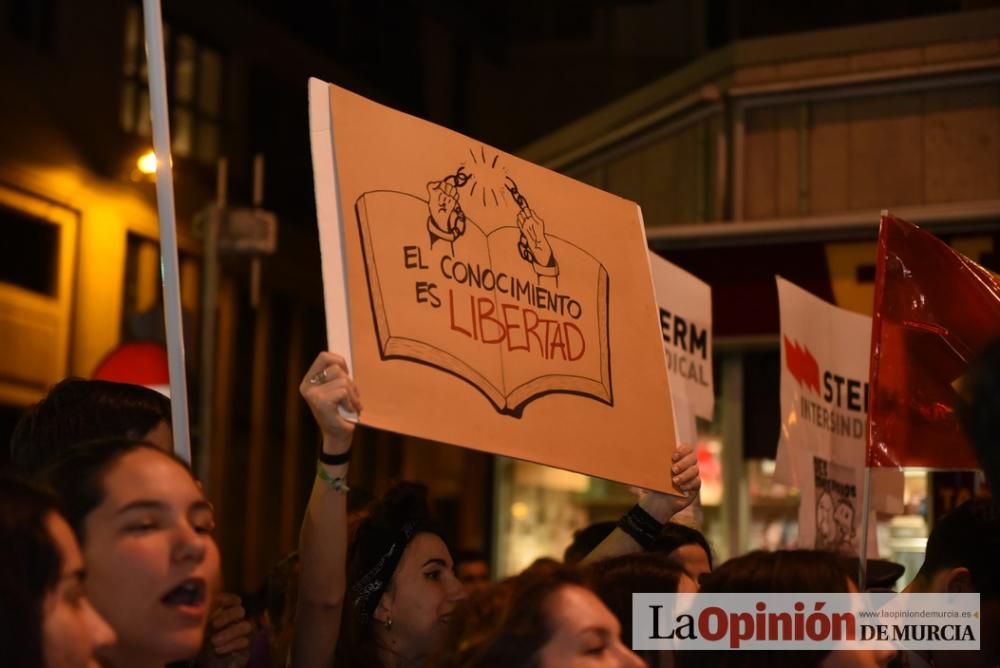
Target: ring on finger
[[318, 378]]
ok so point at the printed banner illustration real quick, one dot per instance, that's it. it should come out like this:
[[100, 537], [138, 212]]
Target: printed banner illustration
[[824, 408], [685, 306], [484, 301], [830, 507]]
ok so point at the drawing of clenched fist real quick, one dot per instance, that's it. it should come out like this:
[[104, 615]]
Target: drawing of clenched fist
[[446, 218], [534, 246]]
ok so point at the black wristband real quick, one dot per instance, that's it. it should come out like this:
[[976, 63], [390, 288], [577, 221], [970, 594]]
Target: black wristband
[[641, 526], [335, 460]]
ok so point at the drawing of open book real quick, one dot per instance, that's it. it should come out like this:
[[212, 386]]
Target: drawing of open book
[[485, 294]]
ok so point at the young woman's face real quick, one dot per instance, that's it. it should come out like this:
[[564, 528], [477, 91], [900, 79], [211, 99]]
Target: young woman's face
[[585, 633], [152, 564], [421, 598], [72, 631]]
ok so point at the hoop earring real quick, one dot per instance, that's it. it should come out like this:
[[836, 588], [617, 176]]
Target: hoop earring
[[388, 624]]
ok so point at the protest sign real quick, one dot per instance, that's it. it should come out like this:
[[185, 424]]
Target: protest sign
[[487, 302], [824, 410], [685, 306]]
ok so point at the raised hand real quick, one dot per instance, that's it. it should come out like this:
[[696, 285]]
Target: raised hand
[[686, 478], [327, 387]]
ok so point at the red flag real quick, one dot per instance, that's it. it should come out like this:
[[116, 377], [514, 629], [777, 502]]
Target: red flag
[[935, 310]]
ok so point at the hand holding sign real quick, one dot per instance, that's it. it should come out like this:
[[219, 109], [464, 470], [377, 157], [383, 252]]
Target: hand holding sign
[[687, 479], [661, 507], [327, 387]]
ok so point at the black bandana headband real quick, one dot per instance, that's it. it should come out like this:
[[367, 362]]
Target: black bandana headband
[[367, 591]]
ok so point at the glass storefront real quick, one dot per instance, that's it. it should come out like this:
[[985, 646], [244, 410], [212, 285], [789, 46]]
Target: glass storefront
[[741, 507]]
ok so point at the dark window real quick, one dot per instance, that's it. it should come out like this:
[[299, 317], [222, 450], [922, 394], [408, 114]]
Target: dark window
[[195, 85], [29, 255]]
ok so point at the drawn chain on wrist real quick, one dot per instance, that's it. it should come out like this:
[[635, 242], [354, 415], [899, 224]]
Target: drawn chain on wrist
[[523, 246]]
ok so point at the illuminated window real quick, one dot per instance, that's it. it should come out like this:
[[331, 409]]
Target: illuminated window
[[195, 79]]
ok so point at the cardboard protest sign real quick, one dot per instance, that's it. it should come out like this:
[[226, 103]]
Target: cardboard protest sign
[[824, 411], [685, 306], [487, 302]]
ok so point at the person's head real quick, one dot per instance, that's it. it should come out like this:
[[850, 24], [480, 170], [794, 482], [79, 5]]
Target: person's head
[[45, 617], [537, 621], [473, 569], [615, 580], [146, 533], [686, 547], [76, 410], [784, 571], [963, 553], [401, 585], [586, 539]]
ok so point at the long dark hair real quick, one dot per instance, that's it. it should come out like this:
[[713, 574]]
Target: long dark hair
[[508, 625], [615, 580], [372, 559], [30, 566], [792, 571], [77, 410]]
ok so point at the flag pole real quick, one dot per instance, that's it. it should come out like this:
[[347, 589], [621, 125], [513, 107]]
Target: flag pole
[[169, 268], [866, 503]]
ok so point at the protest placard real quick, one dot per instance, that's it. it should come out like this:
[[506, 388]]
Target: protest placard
[[487, 302], [685, 306], [824, 411]]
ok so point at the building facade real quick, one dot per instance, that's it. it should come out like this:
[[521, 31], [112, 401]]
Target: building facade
[[775, 156]]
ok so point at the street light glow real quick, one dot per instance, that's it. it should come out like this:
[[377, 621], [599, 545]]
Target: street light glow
[[147, 163]]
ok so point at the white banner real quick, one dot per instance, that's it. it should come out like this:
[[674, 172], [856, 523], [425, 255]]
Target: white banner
[[824, 410], [685, 305]]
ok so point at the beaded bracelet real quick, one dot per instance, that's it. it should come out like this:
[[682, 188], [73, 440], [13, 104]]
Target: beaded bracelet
[[339, 483]]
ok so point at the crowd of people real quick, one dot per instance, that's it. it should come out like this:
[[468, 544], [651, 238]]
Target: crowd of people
[[107, 558]]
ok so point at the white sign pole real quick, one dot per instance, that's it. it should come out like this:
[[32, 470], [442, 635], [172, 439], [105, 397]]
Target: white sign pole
[[168, 227]]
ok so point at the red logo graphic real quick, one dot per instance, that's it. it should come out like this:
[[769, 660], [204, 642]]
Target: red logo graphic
[[801, 364]]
